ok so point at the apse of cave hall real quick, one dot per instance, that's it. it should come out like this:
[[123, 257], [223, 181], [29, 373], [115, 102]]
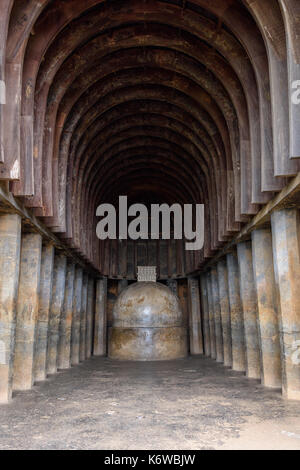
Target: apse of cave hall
[[171, 103]]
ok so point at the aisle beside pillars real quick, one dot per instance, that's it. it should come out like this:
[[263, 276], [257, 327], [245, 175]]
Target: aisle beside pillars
[[195, 328], [45, 292], [204, 302], [57, 299], [249, 304], [27, 311], [268, 325], [83, 317], [64, 343], [100, 334], [76, 320], [286, 253], [225, 311], [10, 242], [236, 314]]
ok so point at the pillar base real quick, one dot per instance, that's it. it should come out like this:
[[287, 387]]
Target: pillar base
[[291, 395], [147, 344]]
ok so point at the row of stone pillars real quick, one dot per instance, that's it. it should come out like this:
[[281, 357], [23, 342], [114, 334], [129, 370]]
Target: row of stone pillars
[[49, 318], [251, 305]]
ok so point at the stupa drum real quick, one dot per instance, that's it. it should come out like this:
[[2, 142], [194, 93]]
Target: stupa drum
[[147, 324]]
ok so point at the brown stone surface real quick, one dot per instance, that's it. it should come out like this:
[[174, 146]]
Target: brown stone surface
[[45, 294], [27, 311], [205, 316], [286, 253], [83, 318], [195, 323], [56, 311], [217, 315], [76, 318], [236, 314], [10, 245], [100, 325], [225, 311], [208, 118], [65, 326], [147, 324], [250, 313], [90, 317], [268, 308], [147, 344], [211, 316]]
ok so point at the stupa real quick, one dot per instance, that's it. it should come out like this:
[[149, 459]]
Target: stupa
[[147, 324]]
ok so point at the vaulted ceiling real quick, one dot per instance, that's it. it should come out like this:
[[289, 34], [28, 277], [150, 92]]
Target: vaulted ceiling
[[172, 101]]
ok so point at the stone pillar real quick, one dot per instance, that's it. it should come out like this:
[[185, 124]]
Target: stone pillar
[[83, 317], [225, 311], [204, 303], [286, 253], [65, 328], [10, 242], [196, 341], [217, 315], [211, 316], [173, 285], [90, 317], [27, 310], [75, 337], [100, 330], [268, 324], [122, 284], [249, 304], [45, 292], [236, 314], [57, 299]]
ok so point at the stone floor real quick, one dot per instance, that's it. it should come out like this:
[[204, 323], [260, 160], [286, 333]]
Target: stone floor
[[186, 404]]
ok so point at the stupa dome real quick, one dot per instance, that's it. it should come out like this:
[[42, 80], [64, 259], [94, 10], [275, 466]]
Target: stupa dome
[[147, 324]]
